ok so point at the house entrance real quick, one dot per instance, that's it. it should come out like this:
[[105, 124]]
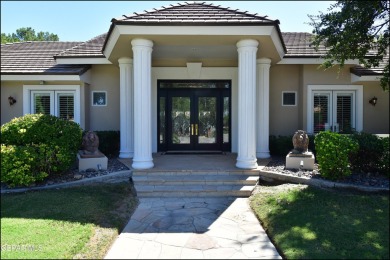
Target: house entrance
[[194, 116]]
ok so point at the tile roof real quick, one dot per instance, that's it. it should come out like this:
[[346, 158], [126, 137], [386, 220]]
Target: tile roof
[[298, 45], [37, 58], [362, 71], [194, 12], [91, 48]]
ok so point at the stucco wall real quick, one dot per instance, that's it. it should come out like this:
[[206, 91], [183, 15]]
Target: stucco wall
[[15, 89], [375, 118], [104, 118], [284, 120]]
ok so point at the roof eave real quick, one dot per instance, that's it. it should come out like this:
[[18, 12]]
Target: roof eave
[[115, 22]]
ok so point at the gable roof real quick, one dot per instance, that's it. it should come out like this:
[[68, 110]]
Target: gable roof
[[37, 58]]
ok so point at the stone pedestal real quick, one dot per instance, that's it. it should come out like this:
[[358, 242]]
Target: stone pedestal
[[96, 162], [293, 161]]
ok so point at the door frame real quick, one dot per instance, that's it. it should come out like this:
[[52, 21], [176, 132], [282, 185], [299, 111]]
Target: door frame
[[220, 91]]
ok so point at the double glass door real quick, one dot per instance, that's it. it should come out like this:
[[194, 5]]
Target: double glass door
[[334, 111], [194, 119]]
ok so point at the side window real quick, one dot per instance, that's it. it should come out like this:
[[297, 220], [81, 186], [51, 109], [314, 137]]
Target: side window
[[289, 98], [53, 102]]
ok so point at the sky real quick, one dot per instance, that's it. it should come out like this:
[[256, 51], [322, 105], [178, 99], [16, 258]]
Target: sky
[[84, 20]]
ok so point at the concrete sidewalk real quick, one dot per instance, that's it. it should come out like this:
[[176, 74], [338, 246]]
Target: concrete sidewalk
[[201, 228]]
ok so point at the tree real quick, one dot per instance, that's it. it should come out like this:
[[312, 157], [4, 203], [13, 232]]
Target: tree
[[28, 34], [354, 30]]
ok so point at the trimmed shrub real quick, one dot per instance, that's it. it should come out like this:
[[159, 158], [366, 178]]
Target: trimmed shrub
[[333, 151], [282, 145], [109, 142], [39, 145], [370, 155]]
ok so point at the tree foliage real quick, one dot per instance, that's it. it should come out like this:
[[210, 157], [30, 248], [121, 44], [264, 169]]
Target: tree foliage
[[354, 30], [28, 34]]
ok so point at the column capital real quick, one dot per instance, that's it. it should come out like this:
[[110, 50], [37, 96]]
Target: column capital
[[125, 60], [265, 61], [247, 43], [142, 43]]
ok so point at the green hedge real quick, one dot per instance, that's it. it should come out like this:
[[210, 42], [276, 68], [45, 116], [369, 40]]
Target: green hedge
[[333, 153], [373, 154], [35, 146]]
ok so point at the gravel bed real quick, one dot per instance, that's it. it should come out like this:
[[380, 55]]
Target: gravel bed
[[277, 164]]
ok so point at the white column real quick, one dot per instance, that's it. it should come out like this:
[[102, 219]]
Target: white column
[[262, 147], [142, 55], [126, 108], [246, 158]]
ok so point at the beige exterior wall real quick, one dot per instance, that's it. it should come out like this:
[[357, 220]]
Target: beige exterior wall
[[104, 118], [284, 120], [375, 118], [15, 89]]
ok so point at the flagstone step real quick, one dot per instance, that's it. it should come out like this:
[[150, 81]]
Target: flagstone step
[[237, 183], [196, 179]]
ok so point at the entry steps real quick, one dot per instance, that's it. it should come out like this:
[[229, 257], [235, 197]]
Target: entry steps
[[191, 183]]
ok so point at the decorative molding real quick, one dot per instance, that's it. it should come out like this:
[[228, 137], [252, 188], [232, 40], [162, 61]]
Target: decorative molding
[[194, 69]]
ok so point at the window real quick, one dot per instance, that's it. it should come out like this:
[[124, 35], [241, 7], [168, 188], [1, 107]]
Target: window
[[63, 102], [334, 108], [289, 98], [99, 98]]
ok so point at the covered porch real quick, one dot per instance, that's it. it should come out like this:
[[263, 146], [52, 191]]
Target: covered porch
[[211, 38], [195, 162]]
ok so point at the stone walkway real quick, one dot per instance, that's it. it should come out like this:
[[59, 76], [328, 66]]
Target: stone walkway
[[201, 228]]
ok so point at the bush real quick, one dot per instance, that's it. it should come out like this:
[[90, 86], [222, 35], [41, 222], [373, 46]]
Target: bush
[[109, 142], [370, 155], [385, 158], [39, 145], [333, 151], [282, 145]]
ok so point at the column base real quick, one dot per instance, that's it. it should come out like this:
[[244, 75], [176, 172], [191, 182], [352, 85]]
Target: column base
[[263, 155], [126, 155], [246, 164], [142, 165]]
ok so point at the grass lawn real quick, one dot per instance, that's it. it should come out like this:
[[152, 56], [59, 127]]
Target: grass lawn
[[312, 223], [79, 222]]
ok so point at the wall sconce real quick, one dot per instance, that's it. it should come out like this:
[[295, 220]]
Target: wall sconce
[[373, 101], [11, 100]]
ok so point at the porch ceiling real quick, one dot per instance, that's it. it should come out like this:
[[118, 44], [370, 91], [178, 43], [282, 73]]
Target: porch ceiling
[[177, 50]]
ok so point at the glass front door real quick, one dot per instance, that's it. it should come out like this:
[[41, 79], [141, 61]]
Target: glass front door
[[194, 119]]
